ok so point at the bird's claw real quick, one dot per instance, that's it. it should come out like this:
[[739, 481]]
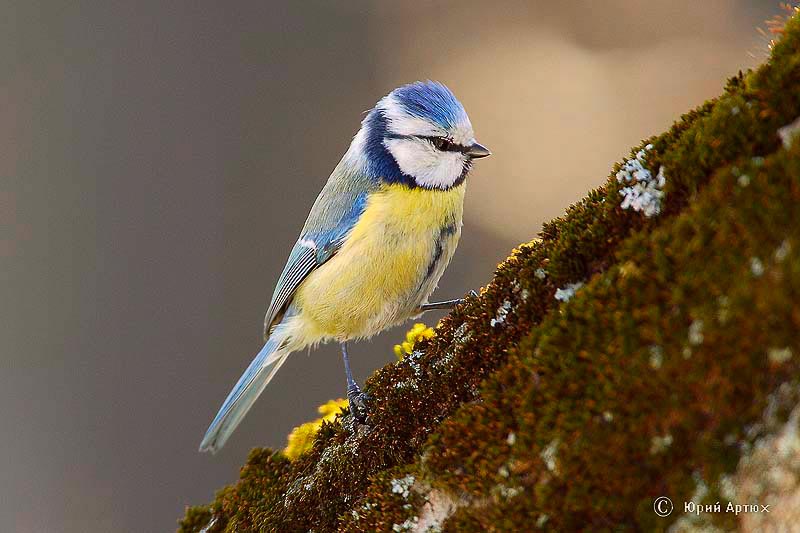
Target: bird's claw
[[357, 402], [472, 294]]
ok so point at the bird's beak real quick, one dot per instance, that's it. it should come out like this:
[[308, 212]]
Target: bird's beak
[[477, 150]]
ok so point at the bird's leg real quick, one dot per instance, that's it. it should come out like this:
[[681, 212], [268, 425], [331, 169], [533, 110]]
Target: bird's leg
[[447, 304], [356, 400]]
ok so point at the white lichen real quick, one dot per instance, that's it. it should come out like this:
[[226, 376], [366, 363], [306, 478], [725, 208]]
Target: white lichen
[[502, 312], [789, 132], [540, 273], [548, 455], [783, 250], [507, 492], [656, 356], [756, 267], [743, 180], [462, 334], [408, 384], [696, 332], [403, 486], [779, 355], [409, 525], [643, 192], [412, 360], [565, 294], [660, 444]]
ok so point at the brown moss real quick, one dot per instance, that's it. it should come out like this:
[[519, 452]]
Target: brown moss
[[574, 416]]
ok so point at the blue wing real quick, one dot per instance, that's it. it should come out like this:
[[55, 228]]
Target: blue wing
[[335, 212]]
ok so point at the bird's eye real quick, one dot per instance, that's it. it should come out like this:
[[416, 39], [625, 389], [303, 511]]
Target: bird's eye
[[444, 144]]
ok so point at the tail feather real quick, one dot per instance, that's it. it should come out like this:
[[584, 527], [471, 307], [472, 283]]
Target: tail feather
[[245, 392]]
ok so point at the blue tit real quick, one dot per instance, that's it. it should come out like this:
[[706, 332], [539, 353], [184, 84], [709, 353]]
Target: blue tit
[[375, 243]]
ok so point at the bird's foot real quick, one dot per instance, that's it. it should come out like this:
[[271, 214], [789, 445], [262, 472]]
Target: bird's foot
[[472, 293], [358, 402]]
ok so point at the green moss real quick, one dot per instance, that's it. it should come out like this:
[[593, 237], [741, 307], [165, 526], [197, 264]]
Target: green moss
[[649, 374], [575, 416]]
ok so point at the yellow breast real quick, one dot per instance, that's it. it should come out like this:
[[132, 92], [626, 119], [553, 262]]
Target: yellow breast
[[388, 266]]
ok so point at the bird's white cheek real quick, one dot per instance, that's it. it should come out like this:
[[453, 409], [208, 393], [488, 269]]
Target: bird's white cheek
[[429, 167]]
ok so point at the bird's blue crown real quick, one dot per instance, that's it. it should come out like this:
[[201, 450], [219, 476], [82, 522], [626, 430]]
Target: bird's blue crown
[[432, 101]]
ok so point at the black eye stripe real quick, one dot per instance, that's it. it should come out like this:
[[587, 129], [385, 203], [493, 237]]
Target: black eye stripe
[[446, 145], [440, 143]]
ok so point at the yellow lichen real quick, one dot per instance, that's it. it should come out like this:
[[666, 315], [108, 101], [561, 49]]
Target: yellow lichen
[[302, 437], [416, 334]]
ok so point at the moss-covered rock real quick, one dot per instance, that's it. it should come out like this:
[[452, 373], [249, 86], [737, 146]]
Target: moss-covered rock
[[646, 345]]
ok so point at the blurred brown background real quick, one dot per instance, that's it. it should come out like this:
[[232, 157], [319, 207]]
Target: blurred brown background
[[158, 159]]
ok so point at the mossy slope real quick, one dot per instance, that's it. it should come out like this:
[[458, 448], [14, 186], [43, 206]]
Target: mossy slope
[[526, 412]]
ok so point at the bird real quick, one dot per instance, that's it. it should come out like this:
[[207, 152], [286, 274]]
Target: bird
[[375, 244]]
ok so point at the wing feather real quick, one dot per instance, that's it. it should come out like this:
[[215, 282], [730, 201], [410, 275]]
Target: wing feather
[[333, 215], [300, 264]]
